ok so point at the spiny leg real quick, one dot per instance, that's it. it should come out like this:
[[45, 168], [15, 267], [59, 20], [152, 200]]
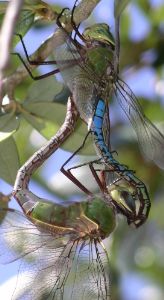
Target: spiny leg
[[75, 27], [30, 73], [70, 176], [68, 173], [21, 191], [38, 63], [34, 63]]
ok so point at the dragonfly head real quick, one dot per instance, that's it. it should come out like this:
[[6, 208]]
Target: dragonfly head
[[100, 33], [128, 202]]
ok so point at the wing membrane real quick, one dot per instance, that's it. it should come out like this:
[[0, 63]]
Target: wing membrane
[[151, 140], [53, 267]]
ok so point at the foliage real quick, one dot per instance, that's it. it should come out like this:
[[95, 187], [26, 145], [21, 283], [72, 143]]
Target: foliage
[[41, 106]]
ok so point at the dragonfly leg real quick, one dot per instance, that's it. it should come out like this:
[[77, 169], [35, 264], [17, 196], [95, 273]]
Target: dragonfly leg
[[34, 63], [114, 152], [85, 164], [71, 177], [99, 180], [77, 182], [29, 71], [33, 163], [77, 151], [75, 27], [68, 173], [59, 16]]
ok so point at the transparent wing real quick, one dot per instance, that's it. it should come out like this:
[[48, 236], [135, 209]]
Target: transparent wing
[[53, 267], [151, 140], [91, 279], [77, 77]]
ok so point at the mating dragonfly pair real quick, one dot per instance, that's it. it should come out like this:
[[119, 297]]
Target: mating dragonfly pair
[[63, 242]]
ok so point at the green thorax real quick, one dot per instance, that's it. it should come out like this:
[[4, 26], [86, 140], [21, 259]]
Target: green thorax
[[68, 215], [100, 47], [98, 59], [101, 213]]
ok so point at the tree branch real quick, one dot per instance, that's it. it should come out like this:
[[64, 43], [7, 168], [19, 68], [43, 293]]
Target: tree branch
[[6, 34]]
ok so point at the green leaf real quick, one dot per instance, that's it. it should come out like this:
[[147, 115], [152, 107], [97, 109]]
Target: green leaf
[[9, 123], [44, 90], [31, 11], [76, 140], [63, 95], [45, 127], [119, 6], [153, 111], [157, 15], [51, 111], [25, 21], [9, 160], [47, 118]]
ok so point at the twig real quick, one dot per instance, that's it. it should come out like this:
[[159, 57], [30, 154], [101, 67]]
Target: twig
[[6, 34]]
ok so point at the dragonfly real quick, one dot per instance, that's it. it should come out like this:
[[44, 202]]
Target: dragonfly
[[90, 69], [93, 74], [60, 248]]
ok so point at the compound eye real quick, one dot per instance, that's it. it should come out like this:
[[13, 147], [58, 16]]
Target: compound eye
[[129, 200]]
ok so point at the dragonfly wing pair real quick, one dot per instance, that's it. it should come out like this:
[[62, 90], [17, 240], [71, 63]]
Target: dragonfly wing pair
[[57, 263]]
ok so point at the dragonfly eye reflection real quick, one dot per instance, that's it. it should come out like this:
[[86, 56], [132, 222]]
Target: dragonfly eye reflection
[[127, 202]]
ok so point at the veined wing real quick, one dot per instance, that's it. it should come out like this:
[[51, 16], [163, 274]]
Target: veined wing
[[150, 139], [55, 266], [77, 77]]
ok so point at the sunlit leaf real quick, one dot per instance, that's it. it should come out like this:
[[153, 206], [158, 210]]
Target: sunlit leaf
[[43, 90], [155, 111], [31, 11], [157, 15], [9, 123], [63, 95], [44, 126], [9, 161], [47, 119], [25, 21]]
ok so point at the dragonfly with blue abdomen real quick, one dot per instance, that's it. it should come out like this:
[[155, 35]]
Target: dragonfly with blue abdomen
[[94, 76], [90, 70], [87, 82], [60, 248]]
